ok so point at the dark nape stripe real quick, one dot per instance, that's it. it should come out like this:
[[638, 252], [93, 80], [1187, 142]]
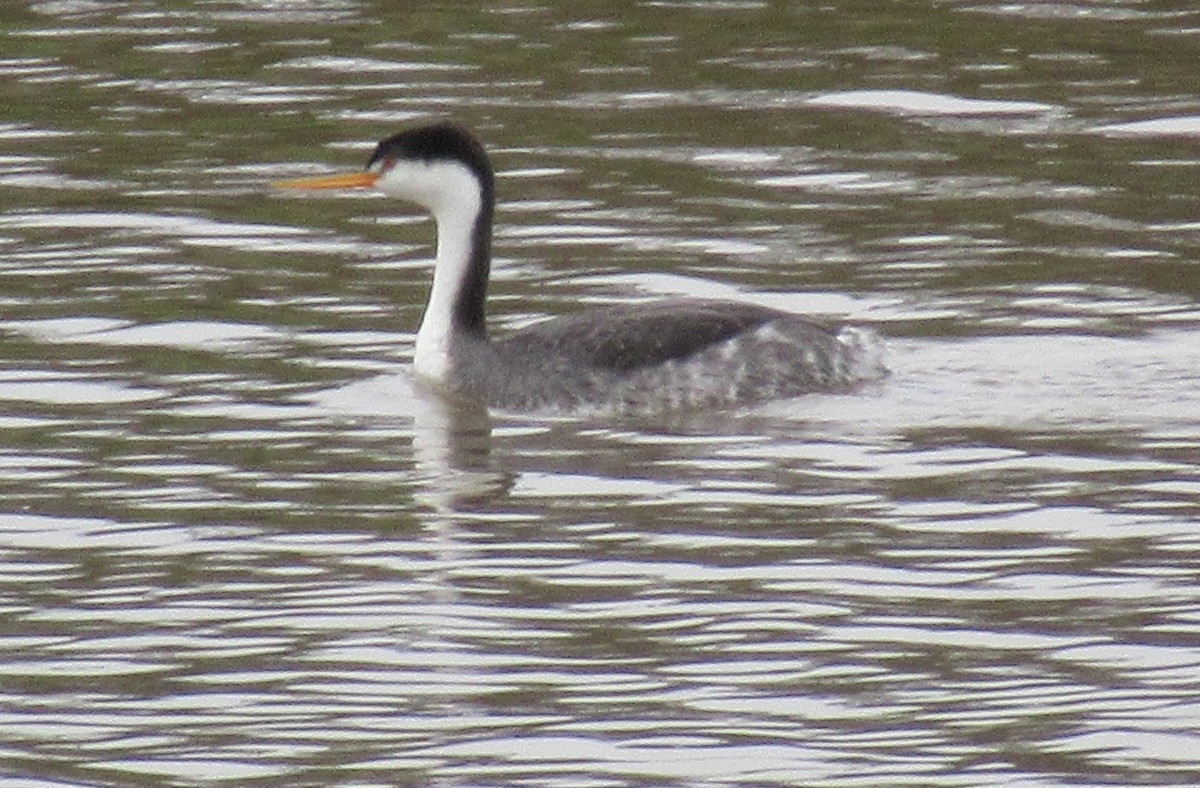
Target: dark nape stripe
[[470, 306]]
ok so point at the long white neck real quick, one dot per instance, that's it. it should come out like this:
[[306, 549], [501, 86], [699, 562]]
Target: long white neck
[[456, 216]]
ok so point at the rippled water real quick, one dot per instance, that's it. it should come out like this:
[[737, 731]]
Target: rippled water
[[238, 546]]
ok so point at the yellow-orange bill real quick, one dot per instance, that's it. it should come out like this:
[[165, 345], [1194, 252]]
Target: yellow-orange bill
[[343, 181]]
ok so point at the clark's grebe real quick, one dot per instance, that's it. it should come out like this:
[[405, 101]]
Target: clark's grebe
[[656, 356]]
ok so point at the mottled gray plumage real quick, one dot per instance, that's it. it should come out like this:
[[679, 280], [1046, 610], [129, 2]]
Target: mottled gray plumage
[[662, 355]]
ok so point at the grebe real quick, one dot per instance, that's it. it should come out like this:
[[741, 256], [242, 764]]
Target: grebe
[[658, 356]]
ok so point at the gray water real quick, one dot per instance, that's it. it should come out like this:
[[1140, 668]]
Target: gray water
[[238, 546]]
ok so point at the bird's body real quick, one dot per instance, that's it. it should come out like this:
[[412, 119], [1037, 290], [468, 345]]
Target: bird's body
[[661, 355], [656, 356]]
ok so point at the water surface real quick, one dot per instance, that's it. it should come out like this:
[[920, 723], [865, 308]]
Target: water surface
[[239, 546]]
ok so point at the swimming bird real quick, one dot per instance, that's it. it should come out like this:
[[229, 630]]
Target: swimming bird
[[643, 357]]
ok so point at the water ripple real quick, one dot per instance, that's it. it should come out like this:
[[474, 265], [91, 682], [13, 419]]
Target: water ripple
[[240, 543]]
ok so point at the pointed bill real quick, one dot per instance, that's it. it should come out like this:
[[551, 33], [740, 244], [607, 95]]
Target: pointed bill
[[343, 181]]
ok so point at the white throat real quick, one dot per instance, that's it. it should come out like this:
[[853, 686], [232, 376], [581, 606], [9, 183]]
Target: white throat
[[452, 193]]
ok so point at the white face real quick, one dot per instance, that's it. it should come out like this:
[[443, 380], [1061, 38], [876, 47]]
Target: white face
[[445, 188]]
